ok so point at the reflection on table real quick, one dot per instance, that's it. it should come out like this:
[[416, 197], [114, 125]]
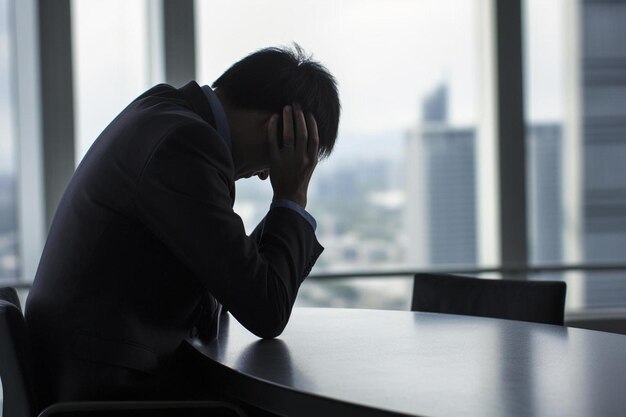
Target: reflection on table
[[384, 363]]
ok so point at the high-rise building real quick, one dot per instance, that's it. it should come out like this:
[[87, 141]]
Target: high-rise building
[[545, 205], [442, 193], [603, 54]]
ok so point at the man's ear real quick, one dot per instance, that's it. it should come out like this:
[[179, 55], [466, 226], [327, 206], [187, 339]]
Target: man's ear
[[279, 126], [279, 129]]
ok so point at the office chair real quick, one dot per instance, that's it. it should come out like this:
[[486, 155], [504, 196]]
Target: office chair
[[534, 301], [19, 385]]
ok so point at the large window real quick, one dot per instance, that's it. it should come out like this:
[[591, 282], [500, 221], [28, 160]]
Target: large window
[[576, 108], [413, 181], [112, 62], [8, 167]]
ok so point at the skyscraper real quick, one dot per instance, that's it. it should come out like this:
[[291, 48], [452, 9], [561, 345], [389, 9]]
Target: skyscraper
[[545, 206], [603, 53], [442, 194], [441, 159]]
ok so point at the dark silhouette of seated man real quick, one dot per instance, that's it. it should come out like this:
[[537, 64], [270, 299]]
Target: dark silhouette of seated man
[[145, 248]]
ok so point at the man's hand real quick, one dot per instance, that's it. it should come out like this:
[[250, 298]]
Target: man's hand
[[292, 165]]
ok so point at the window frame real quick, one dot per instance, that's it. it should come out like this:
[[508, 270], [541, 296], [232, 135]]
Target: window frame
[[46, 151]]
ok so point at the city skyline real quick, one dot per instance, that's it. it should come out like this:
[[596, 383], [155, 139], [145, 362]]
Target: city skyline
[[374, 132]]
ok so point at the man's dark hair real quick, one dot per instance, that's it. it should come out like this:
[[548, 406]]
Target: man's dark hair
[[272, 78]]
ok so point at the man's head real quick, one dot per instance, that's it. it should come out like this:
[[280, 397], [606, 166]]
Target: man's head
[[260, 85]]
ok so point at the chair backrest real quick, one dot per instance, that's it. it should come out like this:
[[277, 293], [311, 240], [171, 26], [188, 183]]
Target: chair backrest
[[535, 301], [19, 400]]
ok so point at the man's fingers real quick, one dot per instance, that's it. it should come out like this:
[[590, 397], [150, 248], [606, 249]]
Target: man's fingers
[[288, 137], [301, 129], [314, 138], [272, 136]]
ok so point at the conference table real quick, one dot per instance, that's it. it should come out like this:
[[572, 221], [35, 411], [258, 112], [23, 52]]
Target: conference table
[[349, 362]]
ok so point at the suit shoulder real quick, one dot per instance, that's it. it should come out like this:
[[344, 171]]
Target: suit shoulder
[[158, 90], [193, 141], [192, 130]]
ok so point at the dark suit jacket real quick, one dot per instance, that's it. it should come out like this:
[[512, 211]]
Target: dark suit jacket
[[144, 231]]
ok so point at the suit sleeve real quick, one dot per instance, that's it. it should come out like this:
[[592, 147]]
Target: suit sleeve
[[258, 231], [183, 196]]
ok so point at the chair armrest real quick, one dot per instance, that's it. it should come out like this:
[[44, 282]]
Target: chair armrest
[[121, 407]]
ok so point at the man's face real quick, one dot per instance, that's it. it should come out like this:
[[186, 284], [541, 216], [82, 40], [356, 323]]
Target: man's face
[[263, 174], [248, 130]]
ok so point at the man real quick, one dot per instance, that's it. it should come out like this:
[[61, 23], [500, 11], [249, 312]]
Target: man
[[144, 247]]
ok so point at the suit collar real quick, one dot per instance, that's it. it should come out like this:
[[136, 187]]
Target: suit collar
[[221, 120], [196, 98]]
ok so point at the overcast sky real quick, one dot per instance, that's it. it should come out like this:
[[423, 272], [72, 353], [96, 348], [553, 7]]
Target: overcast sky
[[385, 54]]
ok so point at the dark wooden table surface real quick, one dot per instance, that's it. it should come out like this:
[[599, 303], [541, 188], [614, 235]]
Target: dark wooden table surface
[[346, 362]]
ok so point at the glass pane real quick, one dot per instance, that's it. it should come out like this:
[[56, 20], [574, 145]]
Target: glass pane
[[8, 197], [110, 41], [603, 91], [576, 119], [389, 293], [545, 103], [405, 154], [8, 223]]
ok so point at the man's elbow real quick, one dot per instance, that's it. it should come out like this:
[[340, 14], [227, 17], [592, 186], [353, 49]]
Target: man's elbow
[[270, 333], [269, 326]]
